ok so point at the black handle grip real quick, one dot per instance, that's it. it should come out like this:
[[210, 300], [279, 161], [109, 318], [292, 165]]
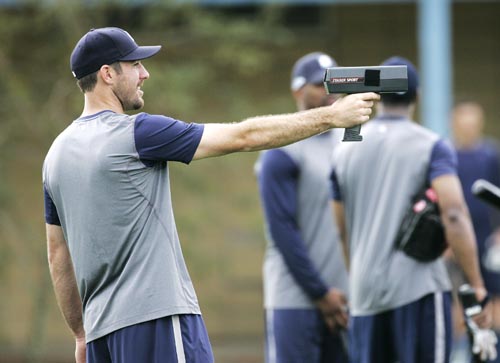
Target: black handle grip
[[487, 192], [352, 134], [468, 299]]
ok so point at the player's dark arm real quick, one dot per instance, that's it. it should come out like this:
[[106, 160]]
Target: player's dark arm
[[458, 227], [65, 287], [456, 219], [278, 191], [460, 236], [266, 132]]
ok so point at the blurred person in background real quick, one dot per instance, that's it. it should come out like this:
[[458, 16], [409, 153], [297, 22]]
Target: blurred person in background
[[400, 307], [478, 158], [305, 280], [114, 254]]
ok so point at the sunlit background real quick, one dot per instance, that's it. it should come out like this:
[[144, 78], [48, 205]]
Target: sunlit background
[[222, 61]]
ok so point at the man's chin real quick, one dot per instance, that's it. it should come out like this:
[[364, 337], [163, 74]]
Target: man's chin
[[137, 104]]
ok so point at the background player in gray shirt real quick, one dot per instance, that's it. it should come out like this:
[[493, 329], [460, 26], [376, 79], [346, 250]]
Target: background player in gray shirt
[[114, 254], [304, 273], [400, 307]]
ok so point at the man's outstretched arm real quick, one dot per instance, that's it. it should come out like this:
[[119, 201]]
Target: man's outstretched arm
[[267, 132], [65, 287]]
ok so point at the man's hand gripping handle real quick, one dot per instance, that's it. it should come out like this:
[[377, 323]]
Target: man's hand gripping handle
[[348, 80]]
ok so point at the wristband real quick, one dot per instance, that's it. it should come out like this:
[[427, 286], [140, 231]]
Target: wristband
[[485, 301]]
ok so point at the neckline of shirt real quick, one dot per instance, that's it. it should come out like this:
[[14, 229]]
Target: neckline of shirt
[[388, 117], [88, 117]]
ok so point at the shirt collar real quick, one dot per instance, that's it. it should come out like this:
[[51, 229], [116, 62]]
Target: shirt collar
[[88, 117], [389, 117]]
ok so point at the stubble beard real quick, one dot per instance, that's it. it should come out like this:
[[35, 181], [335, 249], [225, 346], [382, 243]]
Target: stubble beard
[[129, 99], [132, 103]]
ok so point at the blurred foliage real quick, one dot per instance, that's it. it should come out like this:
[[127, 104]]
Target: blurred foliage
[[34, 58], [39, 97], [218, 64]]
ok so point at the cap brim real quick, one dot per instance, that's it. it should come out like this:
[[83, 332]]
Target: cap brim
[[142, 53]]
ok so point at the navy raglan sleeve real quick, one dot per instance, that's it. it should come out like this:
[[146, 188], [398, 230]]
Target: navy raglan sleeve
[[278, 189], [443, 160], [51, 216], [161, 138]]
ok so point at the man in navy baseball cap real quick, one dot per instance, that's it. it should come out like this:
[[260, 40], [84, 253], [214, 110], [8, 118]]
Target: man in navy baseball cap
[[306, 83], [310, 69], [304, 297], [114, 254], [370, 198], [402, 97], [106, 46]]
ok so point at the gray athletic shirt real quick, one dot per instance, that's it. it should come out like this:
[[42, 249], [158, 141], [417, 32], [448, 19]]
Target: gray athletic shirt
[[376, 179], [106, 183], [303, 256]]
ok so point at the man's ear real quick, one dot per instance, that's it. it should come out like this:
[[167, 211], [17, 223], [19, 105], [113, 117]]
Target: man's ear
[[107, 74]]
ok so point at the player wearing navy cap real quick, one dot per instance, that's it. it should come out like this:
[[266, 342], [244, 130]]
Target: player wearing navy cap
[[305, 279], [114, 253], [399, 306]]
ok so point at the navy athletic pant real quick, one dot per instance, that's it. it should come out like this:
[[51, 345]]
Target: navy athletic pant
[[301, 336], [419, 332], [173, 339]]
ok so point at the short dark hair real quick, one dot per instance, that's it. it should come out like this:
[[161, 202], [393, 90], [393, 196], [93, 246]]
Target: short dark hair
[[88, 82], [394, 99]]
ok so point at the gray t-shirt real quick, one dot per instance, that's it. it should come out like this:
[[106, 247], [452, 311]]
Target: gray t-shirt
[[376, 179], [106, 184], [303, 256]]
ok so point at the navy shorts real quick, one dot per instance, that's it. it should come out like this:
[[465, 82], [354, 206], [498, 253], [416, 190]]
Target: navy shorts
[[300, 335], [172, 339], [419, 332]]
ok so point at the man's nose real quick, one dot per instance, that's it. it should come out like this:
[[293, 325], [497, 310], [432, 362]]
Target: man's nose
[[144, 73]]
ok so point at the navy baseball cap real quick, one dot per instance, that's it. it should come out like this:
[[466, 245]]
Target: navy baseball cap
[[310, 69], [411, 94], [106, 46]]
